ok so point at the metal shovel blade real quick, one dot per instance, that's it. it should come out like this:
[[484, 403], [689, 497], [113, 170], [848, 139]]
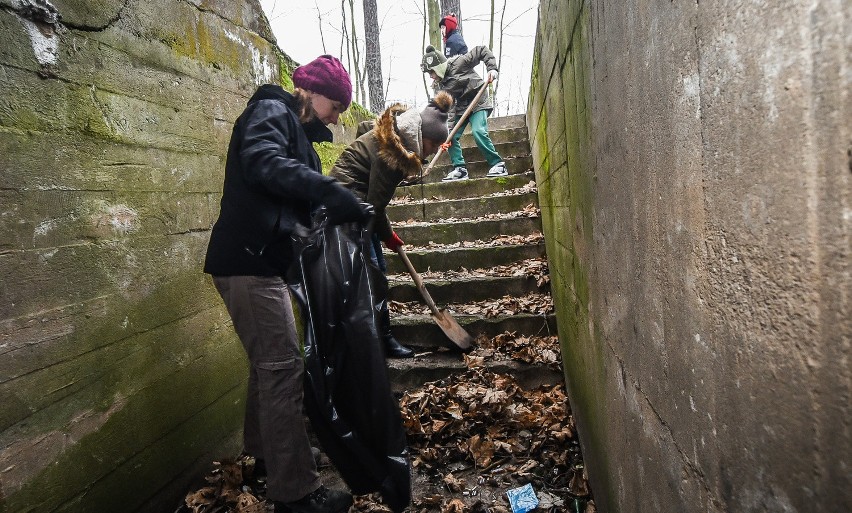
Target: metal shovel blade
[[453, 330], [445, 321]]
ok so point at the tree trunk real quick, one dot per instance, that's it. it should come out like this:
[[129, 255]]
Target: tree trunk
[[358, 72], [491, 28], [373, 59], [454, 6], [433, 11]]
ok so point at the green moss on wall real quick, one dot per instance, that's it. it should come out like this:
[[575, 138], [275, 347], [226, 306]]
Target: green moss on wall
[[137, 375], [130, 383], [328, 154], [565, 179], [355, 114], [286, 67]]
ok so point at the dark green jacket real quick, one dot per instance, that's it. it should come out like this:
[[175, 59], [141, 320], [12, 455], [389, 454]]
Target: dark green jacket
[[373, 165], [463, 82]]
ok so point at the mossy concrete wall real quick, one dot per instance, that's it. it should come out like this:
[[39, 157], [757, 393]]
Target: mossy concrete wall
[[694, 166], [120, 375]]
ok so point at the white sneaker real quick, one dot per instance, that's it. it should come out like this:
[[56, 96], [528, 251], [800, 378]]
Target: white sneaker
[[498, 169], [458, 173]]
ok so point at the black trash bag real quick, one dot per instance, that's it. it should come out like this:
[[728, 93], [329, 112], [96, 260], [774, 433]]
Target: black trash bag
[[347, 392]]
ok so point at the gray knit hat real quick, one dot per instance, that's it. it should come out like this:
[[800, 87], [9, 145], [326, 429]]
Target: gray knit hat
[[434, 116]]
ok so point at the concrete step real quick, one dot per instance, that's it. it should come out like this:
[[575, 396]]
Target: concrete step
[[498, 136], [478, 169], [506, 149], [463, 188], [502, 122], [496, 211], [456, 208], [410, 373], [421, 331], [468, 258], [471, 289], [466, 230]]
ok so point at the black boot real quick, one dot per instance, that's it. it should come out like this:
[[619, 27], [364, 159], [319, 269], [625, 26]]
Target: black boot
[[393, 349], [322, 500]]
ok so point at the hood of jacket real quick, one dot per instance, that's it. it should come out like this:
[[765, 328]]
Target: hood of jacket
[[398, 136], [314, 129]]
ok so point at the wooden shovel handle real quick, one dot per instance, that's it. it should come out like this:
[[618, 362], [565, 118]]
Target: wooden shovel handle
[[418, 281], [457, 126]]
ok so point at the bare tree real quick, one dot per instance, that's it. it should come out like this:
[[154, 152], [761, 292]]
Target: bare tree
[[424, 13], [373, 57], [344, 36], [357, 70], [493, 88], [434, 18], [319, 20], [491, 27], [503, 28]]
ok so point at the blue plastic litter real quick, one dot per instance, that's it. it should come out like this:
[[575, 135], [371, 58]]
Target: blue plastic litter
[[522, 499]]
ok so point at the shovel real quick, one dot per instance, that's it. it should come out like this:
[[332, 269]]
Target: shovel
[[457, 126], [445, 321]]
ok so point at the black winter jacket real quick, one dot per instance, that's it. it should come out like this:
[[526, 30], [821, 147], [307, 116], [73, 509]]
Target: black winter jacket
[[273, 179]]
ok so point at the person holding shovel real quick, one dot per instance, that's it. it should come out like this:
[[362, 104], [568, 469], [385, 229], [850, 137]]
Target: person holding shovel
[[386, 152], [273, 181], [458, 77]]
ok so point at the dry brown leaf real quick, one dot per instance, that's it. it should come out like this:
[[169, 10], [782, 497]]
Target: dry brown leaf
[[454, 506], [248, 503], [453, 483], [198, 500]]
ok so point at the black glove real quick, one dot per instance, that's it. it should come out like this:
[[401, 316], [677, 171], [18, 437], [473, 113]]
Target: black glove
[[342, 205]]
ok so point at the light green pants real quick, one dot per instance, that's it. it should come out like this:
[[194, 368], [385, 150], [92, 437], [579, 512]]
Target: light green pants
[[479, 127]]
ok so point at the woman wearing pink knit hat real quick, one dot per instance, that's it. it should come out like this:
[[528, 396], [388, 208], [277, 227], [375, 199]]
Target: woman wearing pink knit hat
[[273, 181]]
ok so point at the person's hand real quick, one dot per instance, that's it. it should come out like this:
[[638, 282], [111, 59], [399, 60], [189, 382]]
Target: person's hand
[[343, 206], [492, 75], [446, 145], [393, 242]]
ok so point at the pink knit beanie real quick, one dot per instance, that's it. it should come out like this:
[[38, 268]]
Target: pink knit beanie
[[325, 75]]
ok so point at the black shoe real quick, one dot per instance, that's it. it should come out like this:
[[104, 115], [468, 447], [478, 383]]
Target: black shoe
[[393, 349], [321, 500]]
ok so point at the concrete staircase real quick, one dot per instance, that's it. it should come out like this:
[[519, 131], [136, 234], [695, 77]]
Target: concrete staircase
[[469, 240]]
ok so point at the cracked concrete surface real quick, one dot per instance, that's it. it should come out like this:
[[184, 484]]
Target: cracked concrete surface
[[114, 124], [694, 173]]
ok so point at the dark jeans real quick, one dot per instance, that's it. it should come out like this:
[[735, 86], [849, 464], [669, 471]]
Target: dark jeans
[[274, 427], [376, 254]]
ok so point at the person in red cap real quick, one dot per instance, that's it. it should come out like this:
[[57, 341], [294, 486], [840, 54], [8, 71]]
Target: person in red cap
[[273, 180], [453, 41]]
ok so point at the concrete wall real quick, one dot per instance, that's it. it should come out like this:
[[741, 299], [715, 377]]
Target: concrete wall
[[120, 376], [694, 163]]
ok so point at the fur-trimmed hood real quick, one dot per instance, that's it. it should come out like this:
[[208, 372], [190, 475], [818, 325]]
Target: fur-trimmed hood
[[400, 132], [400, 142]]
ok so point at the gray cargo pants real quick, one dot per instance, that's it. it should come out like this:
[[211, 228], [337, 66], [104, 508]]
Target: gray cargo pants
[[274, 427]]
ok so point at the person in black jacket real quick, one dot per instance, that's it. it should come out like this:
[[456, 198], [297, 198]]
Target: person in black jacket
[[273, 181], [453, 41]]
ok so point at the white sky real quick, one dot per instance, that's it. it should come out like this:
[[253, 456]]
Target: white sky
[[296, 25]]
